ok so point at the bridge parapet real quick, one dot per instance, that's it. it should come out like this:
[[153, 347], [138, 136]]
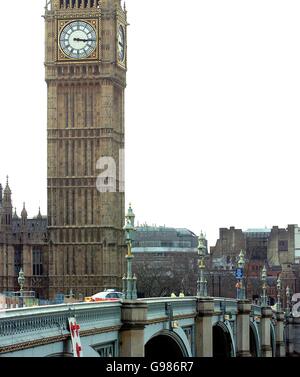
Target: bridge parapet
[[255, 311], [27, 327], [225, 307], [181, 308]]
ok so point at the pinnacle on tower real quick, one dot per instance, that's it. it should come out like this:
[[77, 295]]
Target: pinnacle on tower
[[39, 216], [7, 194], [15, 215], [7, 189], [24, 212]]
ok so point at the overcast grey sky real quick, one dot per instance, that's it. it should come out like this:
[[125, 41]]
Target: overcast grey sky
[[212, 111]]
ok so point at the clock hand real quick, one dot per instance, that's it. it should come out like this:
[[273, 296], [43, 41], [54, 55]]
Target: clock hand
[[84, 40]]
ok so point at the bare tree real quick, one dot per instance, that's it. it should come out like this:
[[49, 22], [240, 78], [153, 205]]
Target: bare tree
[[158, 280]]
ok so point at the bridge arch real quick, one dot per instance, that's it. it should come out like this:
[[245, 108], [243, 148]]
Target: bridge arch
[[165, 344], [254, 340], [223, 343]]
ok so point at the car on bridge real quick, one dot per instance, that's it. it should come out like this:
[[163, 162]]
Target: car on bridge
[[107, 295]]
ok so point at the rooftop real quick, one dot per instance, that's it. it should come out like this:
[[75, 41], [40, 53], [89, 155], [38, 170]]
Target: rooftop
[[258, 230], [154, 228], [160, 238]]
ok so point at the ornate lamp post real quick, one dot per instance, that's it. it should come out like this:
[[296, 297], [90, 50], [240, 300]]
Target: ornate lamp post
[[205, 288], [264, 287], [278, 305], [288, 293], [241, 293], [21, 281], [129, 280], [201, 282]]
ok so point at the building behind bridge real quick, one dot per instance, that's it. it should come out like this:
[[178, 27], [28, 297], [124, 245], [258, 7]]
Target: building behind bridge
[[165, 260], [23, 244], [276, 248]]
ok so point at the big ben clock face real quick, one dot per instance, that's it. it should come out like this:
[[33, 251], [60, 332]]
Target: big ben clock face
[[121, 44], [78, 40]]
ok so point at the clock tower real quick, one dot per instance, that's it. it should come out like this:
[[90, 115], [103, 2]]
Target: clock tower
[[85, 62]]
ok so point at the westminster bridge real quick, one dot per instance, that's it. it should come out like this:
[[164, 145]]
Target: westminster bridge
[[154, 328]]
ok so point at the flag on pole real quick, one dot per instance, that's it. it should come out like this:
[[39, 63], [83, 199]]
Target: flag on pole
[[74, 329]]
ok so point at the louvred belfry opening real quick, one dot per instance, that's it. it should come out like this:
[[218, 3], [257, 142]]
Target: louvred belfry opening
[[71, 4]]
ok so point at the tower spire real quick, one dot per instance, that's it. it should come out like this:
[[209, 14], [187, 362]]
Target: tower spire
[[7, 189], [24, 216], [7, 193], [15, 215], [39, 216], [6, 206], [24, 212]]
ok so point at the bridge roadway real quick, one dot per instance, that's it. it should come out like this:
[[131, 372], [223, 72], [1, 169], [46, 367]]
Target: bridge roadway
[[156, 328]]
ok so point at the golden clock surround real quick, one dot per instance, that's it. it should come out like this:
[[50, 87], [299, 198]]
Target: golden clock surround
[[61, 57]]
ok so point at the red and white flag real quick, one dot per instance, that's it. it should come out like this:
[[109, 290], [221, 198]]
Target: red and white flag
[[75, 336]]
